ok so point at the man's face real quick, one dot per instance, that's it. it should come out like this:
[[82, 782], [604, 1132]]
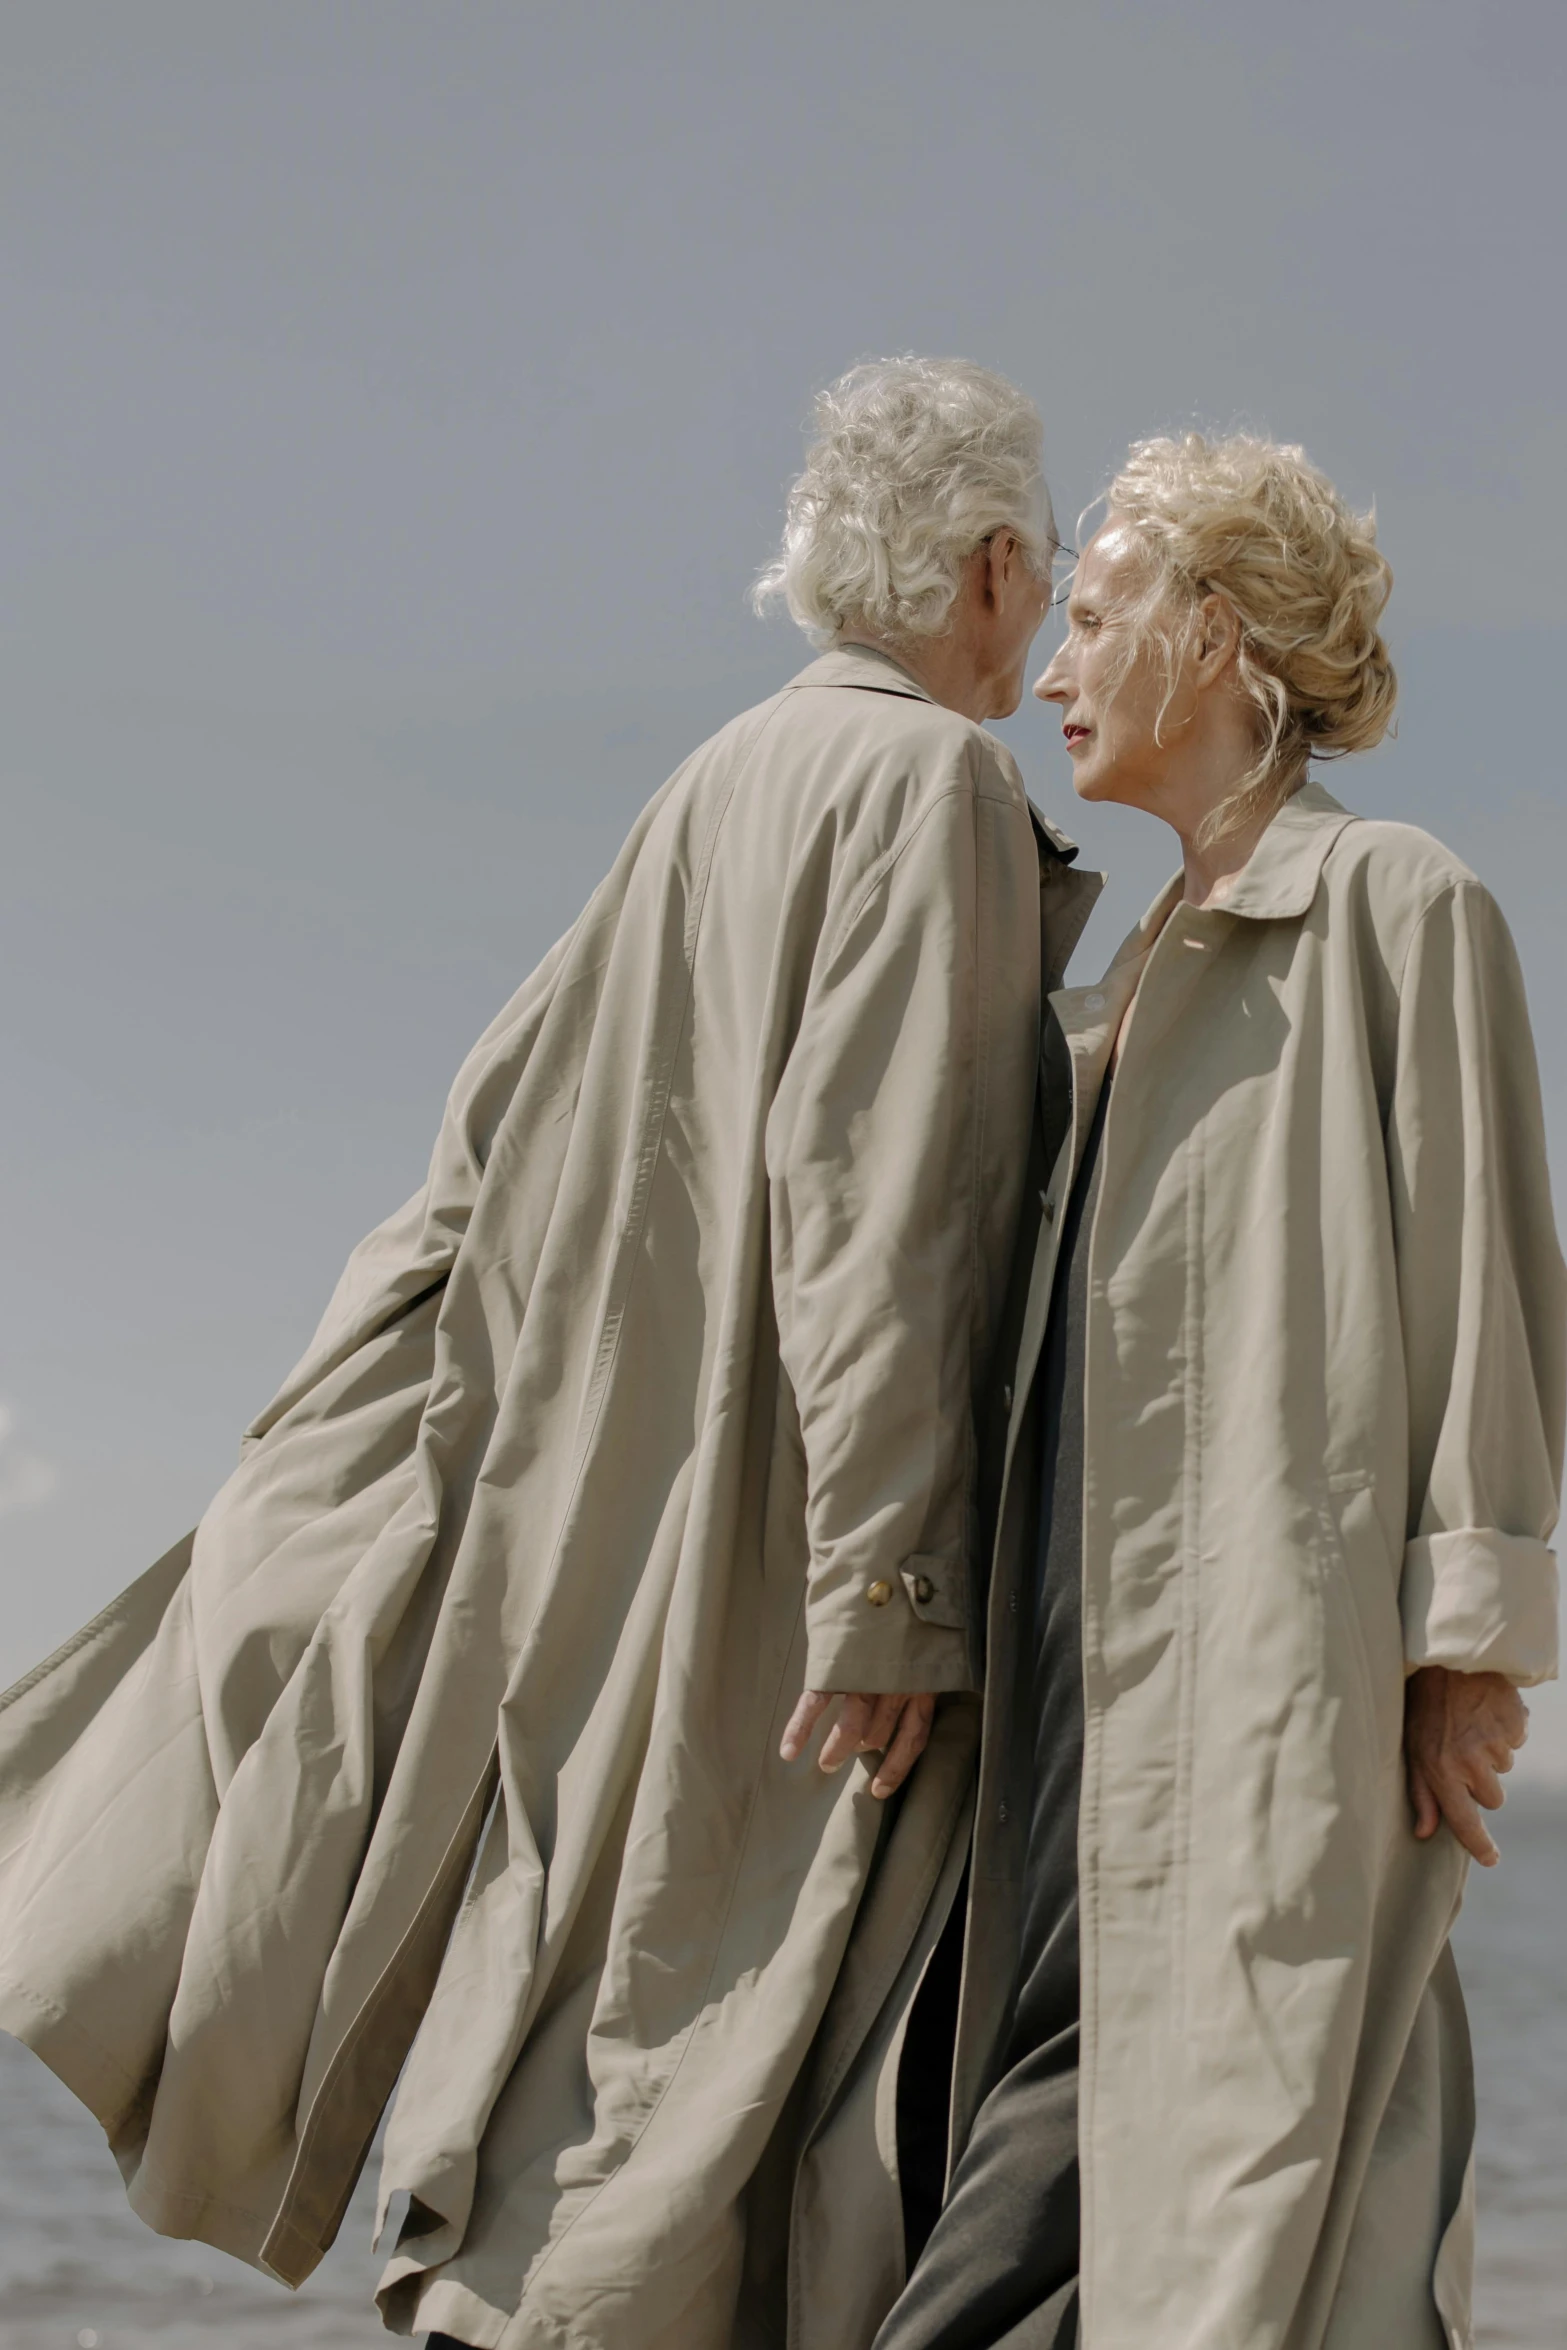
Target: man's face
[[1021, 602]]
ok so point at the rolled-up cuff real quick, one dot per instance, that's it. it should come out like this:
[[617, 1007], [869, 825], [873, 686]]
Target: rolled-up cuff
[[1480, 1602]]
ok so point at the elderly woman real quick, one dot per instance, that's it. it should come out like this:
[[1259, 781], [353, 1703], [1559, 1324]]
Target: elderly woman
[[451, 1745], [1284, 1462]]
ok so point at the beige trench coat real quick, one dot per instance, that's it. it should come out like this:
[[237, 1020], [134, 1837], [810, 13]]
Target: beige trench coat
[[1324, 1397], [656, 1404]]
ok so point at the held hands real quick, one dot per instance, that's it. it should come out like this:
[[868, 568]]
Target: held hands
[[894, 1726], [1460, 1733]]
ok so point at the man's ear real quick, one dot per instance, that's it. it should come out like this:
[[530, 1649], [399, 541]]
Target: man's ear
[[1003, 559]]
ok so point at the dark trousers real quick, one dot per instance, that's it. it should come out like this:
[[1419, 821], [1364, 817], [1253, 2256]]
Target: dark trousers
[[994, 2267]]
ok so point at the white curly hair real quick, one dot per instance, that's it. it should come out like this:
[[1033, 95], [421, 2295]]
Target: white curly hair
[[914, 463]]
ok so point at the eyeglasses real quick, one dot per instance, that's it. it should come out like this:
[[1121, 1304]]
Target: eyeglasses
[[1059, 554], [1061, 588]]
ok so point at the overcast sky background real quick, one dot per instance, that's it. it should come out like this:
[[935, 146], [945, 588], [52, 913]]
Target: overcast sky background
[[398, 400]]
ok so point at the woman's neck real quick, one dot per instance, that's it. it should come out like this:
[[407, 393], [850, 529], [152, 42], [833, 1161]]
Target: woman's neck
[[1211, 766], [1213, 867]]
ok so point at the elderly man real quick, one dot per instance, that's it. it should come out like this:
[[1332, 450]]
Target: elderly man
[[467, 1738]]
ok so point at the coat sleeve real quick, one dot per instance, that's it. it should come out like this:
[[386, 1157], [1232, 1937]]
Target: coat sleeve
[[884, 1230], [1483, 1299]]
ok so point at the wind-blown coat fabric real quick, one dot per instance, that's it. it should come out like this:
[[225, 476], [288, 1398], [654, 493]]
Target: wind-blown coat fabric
[[1323, 1439], [655, 1405]]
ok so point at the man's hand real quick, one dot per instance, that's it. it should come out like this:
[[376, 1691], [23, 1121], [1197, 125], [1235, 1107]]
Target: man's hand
[[895, 1727], [1461, 1731]]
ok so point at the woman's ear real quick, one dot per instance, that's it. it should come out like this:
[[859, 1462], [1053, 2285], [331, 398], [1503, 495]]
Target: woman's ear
[[1218, 636]]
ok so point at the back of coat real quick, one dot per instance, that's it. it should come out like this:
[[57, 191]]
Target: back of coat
[[452, 1742]]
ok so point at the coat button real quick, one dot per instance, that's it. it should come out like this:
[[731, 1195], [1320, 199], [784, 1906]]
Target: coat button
[[924, 1590], [1002, 1814], [1006, 1397], [1049, 1206], [879, 1594]]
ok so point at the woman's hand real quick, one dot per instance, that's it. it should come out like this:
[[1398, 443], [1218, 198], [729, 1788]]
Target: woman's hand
[[1461, 1731], [894, 1726]]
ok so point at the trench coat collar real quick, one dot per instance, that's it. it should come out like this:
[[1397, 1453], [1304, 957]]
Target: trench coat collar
[[865, 666], [1280, 877], [1053, 842], [1277, 884], [874, 671]]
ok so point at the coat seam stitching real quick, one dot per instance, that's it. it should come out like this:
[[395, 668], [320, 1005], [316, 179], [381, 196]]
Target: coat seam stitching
[[982, 982], [1189, 1594], [609, 1343], [875, 1997], [873, 2000], [1448, 893], [881, 872], [65, 2022], [380, 1991], [114, 1613], [1090, 1796]]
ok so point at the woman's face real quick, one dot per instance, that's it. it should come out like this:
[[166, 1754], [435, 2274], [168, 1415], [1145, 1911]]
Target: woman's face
[[1113, 713]]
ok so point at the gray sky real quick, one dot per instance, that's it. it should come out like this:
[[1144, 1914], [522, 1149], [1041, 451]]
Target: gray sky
[[399, 400]]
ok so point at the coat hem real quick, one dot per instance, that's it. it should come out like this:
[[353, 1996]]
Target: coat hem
[[87, 2084]]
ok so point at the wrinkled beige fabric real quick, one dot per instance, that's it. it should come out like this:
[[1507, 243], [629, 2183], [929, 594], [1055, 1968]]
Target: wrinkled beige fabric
[[654, 1405], [1324, 1410], [1324, 1406]]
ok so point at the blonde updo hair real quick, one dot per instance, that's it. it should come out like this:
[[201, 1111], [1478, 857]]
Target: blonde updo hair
[[1259, 525], [913, 464]]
